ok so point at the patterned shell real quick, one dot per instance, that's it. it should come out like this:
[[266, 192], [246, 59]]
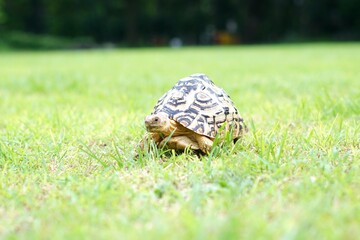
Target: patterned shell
[[199, 105]]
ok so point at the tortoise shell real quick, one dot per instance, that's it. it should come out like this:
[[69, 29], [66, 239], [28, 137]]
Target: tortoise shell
[[199, 105]]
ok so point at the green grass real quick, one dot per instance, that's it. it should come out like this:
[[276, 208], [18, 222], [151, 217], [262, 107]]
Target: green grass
[[70, 121]]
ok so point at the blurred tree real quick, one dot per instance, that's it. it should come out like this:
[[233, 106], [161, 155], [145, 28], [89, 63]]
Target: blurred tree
[[194, 21], [2, 14], [133, 10]]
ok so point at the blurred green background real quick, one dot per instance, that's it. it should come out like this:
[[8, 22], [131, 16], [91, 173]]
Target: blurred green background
[[112, 23]]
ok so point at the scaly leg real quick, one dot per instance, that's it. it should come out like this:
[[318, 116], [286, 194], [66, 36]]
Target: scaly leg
[[180, 143], [145, 141], [204, 143]]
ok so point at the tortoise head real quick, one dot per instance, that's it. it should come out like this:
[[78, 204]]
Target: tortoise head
[[157, 123]]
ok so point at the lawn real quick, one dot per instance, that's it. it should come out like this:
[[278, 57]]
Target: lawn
[[70, 122]]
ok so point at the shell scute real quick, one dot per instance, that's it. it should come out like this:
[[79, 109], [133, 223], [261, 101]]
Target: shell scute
[[199, 105]]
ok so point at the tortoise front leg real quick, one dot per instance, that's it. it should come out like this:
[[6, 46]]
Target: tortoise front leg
[[205, 143], [147, 138], [179, 143]]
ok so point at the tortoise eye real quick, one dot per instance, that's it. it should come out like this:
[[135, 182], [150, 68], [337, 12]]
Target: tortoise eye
[[156, 119]]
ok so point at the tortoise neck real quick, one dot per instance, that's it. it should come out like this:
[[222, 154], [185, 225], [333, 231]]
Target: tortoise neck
[[172, 127], [176, 129]]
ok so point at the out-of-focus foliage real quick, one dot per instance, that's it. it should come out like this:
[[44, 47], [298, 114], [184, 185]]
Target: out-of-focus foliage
[[2, 16], [191, 21]]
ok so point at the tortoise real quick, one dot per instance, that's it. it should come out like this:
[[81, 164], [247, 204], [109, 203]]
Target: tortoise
[[191, 114]]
